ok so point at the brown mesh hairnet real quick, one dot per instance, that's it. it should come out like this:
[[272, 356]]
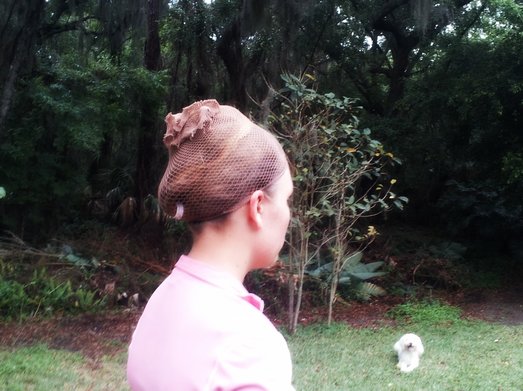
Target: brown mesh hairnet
[[217, 159]]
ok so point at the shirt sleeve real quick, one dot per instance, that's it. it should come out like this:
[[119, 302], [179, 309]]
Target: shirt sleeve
[[253, 363]]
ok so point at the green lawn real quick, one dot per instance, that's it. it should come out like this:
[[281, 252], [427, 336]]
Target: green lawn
[[465, 356], [461, 356], [39, 368]]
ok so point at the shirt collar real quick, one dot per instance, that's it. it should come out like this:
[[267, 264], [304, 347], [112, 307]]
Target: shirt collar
[[218, 278]]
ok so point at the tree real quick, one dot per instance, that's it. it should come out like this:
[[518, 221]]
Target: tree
[[465, 118], [379, 46], [189, 54], [148, 139], [339, 179], [23, 26], [90, 82], [83, 110]]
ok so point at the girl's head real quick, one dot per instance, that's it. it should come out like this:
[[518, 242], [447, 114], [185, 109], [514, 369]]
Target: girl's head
[[217, 159]]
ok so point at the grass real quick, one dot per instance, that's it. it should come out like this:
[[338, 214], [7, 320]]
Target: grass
[[39, 368], [463, 356], [427, 312], [459, 355]]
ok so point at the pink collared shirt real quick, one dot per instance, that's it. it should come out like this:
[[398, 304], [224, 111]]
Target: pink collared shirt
[[202, 331]]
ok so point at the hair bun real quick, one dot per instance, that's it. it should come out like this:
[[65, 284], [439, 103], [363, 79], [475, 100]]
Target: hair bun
[[197, 116], [217, 158]]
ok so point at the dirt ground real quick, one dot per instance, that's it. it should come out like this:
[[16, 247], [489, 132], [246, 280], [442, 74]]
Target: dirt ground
[[502, 306], [96, 335]]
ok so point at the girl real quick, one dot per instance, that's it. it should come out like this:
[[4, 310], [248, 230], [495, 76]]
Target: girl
[[201, 330]]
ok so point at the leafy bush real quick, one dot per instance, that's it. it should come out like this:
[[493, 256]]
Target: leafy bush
[[340, 175], [449, 250], [13, 299], [489, 215], [353, 276], [513, 167], [42, 295], [478, 209], [81, 122]]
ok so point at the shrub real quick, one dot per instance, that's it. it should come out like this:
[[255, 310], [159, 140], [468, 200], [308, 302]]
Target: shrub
[[340, 175], [42, 295], [353, 276]]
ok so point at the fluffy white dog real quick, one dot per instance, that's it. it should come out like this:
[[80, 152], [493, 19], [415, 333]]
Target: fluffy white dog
[[409, 349]]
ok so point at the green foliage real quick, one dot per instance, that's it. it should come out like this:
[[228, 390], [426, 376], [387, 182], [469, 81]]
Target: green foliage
[[42, 295], [461, 117], [426, 313], [484, 280], [188, 49], [334, 161], [480, 209], [86, 300], [13, 299], [2, 192], [67, 124], [352, 276], [340, 177], [447, 99], [452, 251], [513, 167]]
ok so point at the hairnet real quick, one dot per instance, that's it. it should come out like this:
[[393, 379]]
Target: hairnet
[[217, 159]]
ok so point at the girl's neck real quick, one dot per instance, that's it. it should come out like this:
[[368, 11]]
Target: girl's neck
[[223, 253]]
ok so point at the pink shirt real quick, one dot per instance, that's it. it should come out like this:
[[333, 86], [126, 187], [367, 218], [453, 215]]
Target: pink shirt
[[202, 330]]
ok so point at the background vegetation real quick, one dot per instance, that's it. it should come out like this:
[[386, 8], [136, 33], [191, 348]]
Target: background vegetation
[[437, 86]]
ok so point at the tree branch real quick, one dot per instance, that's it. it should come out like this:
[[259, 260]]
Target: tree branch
[[50, 29]]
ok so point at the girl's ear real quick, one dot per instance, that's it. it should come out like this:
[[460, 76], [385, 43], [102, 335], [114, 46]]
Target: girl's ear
[[255, 208]]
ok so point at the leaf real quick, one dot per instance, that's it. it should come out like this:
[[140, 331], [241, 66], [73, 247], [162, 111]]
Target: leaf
[[367, 275], [366, 290], [2, 192], [373, 266], [320, 271], [76, 260], [353, 258], [398, 204], [309, 76]]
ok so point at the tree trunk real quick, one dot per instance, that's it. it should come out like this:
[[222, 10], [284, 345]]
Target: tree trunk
[[19, 31], [230, 50], [152, 43], [148, 123]]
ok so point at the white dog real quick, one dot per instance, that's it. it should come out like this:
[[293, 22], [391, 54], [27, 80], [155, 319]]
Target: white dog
[[409, 349]]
